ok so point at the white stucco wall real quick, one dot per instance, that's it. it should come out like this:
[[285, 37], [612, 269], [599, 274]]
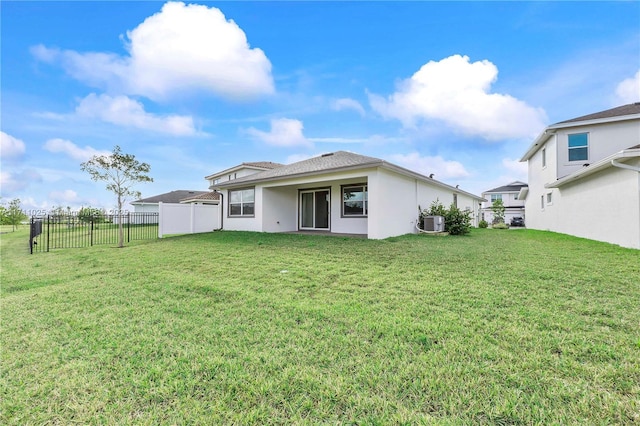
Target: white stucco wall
[[243, 223], [604, 207], [604, 140], [280, 210], [537, 178], [392, 204], [394, 201]]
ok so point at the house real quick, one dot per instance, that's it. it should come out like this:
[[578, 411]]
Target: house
[[511, 199], [339, 192], [241, 170], [150, 204], [584, 177]]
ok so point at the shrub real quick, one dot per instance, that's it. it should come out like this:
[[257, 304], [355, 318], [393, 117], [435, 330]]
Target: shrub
[[500, 225], [456, 221], [483, 224]]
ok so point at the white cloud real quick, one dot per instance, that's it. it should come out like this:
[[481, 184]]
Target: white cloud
[[628, 91], [72, 150], [10, 147], [520, 169], [457, 92], [124, 111], [11, 182], [67, 196], [438, 166], [348, 103], [182, 48], [285, 132]]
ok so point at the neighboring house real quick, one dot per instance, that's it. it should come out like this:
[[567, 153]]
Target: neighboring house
[[339, 192], [150, 204], [584, 177], [511, 199], [208, 197], [239, 171]]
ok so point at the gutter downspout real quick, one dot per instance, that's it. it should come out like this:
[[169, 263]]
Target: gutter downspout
[[221, 204], [615, 163]]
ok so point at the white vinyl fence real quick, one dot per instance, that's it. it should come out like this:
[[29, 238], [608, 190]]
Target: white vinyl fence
[[187, 218]]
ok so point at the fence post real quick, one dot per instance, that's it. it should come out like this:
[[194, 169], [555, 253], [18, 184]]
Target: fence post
[[128, 227], [48, 220], [160, 209], [91, 231], [31, 236]]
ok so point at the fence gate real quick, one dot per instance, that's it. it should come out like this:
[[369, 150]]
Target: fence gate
[[73, 231]]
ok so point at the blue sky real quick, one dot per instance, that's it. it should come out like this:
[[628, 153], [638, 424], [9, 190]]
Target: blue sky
[[458, 89]]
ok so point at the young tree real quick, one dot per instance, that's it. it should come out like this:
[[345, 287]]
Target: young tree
[[498, 211], [121, 172], [14, 214]]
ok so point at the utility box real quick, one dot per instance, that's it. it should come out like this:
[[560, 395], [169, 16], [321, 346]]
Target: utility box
[[434, 223]]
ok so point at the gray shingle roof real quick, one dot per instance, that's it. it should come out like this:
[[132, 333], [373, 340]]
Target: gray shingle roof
[[170, 197], [326, 162], [628, 109], [207, 196], [512, 187], [263, 164]]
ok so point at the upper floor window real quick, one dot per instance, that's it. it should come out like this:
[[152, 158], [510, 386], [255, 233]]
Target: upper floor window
[[455, 200], [495, 197], [579, 147], [355, 200], [544, 157], [242, 202]]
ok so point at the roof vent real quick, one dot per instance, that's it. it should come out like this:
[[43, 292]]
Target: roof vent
[[328, 154]]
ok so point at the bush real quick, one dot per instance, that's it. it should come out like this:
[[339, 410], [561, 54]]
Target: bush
[[456, 221], [483, 224], [500, 225]]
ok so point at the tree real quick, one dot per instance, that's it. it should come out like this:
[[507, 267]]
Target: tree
[[88, 214], [13, 214], [498, 211], [121, 172]]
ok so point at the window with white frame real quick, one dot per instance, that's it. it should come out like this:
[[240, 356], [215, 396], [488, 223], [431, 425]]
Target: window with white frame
[[355, 200], [242, 202], [579, 147], [542, 201], [549, 197], [495, 197], [544, 157]]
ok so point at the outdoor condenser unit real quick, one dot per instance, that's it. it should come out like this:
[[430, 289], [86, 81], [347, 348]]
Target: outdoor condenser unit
[[434, 223]]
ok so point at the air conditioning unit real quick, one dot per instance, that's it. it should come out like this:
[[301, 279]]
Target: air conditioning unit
[[434, 223]]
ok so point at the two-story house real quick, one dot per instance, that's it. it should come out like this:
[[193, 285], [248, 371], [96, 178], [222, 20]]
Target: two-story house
[[511, 200], [584, 177]]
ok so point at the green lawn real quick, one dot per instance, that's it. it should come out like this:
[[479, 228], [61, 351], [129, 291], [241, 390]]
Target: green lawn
[[499, 327]]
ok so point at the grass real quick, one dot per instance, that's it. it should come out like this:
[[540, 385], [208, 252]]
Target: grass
[[500, 327]]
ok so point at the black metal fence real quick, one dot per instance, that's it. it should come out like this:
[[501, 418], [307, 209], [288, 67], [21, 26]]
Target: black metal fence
[[73, 231]]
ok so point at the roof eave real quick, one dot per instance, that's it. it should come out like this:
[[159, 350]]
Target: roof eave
[[381, 163], [233, 184], [538, 143], [235, 168], [424, 178], [605, 163]]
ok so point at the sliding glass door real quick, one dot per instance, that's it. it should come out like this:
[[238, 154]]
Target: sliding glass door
[[314, 209]]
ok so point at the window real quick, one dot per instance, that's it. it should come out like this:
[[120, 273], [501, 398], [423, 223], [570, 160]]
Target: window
[[355, 200], [455, 200], [549, 198], [495, 197], [578, 147], [542, 202], [242, 202], [544, 157]]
